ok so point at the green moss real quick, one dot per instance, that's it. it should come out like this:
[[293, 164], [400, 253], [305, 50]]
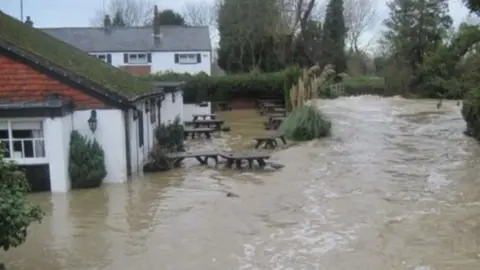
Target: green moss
[[69, 58]]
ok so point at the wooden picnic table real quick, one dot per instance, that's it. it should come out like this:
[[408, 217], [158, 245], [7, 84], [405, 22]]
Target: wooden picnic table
[[207, 123], [198, 131], [270, 140], [201, 156], [260, 102], [204, 116], [269, 108], [239, 157]]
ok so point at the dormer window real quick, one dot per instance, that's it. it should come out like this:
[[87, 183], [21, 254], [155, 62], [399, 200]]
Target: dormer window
[[137, 58], [105, 57]]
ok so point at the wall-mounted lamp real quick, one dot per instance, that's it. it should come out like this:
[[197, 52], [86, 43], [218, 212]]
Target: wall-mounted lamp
[[135, 114], [159, 102], [147, 106], [92, 121], [173, 97]]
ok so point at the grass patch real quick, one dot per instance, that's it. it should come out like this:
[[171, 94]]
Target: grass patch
[[305, 123]]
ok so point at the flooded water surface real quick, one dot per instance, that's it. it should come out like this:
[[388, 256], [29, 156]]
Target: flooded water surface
[[397, 186]]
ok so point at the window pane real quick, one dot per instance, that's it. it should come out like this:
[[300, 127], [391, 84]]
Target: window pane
[[5, 148], [26, 125], [3, 134], [17, 149], [28, 149], [22, 134], [39, 148]]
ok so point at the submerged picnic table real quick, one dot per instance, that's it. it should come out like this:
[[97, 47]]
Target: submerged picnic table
[[239, 157], [270, 140], [198, 131], [202, 157], [204, 116], [206, 123]]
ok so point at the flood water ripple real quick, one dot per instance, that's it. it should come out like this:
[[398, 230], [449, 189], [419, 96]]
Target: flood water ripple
[[397, 186]]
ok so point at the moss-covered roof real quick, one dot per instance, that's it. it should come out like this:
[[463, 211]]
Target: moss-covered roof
[[64, 56]]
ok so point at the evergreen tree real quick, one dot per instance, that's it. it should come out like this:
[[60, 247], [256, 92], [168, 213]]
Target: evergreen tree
[[170, 17], [415, 28], [118, 20], [333, 38]]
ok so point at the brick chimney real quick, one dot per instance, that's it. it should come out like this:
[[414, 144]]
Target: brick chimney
[[156, 26], [29, 22], [107, 24]]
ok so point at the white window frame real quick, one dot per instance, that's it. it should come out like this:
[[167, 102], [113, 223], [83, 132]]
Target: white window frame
[[187, 58], [134, 58], [101, 56], [25, 160]]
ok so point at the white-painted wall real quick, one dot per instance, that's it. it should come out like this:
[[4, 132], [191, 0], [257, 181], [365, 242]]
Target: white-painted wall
[[56, 132], [172, 106], [190, 109], [165, 61], [110, 134]]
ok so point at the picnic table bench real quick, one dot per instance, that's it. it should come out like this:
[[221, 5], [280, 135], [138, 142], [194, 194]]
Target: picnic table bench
[[202, 157], [269, 108], [198, 131], [270, 140], [239, 157], [204, 116], [206, 123]]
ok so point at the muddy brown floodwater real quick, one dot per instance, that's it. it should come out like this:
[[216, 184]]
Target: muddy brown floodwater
[[397, 186]]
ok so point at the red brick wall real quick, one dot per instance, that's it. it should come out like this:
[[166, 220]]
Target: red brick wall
[[137, 70], [20, 82]]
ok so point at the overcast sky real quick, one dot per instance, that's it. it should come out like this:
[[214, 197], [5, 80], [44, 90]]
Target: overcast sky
[[63, 13]]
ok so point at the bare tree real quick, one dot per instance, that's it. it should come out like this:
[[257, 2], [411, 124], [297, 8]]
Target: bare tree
[[200, 13], [133, 12], [359, 18]]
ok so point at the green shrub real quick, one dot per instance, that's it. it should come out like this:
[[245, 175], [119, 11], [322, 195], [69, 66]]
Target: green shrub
[[471, 113], [305, 123], [87, 162], [16, 213], [169, 138], [254, 85]]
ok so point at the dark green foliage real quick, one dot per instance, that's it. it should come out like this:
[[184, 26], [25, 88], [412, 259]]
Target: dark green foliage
[[305, 123], [65, 56], [415, 29], [118, 20], [275, 85], [471, 113], [169, 139], [16, 213], [170, 17], [333, 36], [86, 163], [473, 5]]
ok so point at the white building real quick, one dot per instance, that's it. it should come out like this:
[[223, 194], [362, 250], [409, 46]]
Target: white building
[[49, 88], [144, 50]]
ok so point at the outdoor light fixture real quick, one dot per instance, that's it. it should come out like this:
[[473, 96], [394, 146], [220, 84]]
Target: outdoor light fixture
[[159, 102], [147, 106], [173, 97], [135, 114], [92, 121]]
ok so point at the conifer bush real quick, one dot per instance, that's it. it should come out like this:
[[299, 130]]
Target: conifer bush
[[87, 162]]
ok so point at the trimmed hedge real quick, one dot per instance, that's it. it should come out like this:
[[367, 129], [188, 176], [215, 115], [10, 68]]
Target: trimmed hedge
[[275, 85]]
